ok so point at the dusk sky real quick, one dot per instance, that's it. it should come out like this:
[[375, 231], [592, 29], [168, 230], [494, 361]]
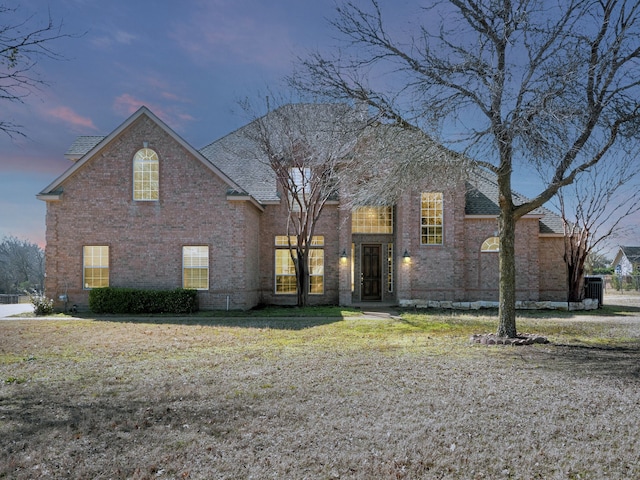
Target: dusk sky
[[189, 61]]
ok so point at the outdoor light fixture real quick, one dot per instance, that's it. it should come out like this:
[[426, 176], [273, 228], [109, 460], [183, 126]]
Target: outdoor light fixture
[[343, 255], [406, 257]]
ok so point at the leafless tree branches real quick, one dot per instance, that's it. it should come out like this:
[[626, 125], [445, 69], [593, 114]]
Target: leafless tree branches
[[555, 85], [22, 43], [306, 146], [594, 210]]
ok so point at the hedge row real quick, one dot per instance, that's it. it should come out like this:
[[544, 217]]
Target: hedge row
[[130, 300]]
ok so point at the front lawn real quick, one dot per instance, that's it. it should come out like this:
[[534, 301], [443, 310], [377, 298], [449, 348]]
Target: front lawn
[[318, 397]]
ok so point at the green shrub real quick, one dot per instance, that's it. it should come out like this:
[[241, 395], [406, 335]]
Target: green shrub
[[136, 301], [603, 271], [615, 282]]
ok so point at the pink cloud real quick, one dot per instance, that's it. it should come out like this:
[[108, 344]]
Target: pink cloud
[[40, 163], [69, 116], [127, 104]]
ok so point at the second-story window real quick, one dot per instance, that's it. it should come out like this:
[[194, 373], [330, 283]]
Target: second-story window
[[431, 218], [299, 188], [146, 178]]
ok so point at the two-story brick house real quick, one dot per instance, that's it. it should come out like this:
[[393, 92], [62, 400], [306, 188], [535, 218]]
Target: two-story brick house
[[142, 208]]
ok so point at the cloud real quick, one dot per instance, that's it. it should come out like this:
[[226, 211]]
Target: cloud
[[123, 38], [34, 164], [220, 32], [116, 37], [126, 104], [67, 115]]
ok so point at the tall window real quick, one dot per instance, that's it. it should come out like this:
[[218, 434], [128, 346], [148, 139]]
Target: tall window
[[431, 219], [372, 220], [195, 267], [300, 185], [146, 185], [95, 266], [286, 271], [316, 271], [390, 267]]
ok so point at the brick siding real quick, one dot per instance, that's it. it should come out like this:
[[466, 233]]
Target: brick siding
[[146, 238]]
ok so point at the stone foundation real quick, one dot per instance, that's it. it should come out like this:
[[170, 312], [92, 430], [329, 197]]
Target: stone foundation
[[586, 304]]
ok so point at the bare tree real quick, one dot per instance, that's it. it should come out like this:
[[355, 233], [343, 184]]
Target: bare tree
[[594, 210], [512, 84], [21, 266], [22, 43], [305, 145]]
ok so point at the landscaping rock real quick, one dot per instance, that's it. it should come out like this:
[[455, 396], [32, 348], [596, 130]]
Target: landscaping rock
[[521, 339]]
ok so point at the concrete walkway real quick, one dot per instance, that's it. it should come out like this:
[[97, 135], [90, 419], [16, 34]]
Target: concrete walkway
[[14, 309]]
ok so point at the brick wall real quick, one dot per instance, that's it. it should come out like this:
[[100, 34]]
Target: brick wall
[[145, 239], [434, 271], [553, 273], [274, 222]]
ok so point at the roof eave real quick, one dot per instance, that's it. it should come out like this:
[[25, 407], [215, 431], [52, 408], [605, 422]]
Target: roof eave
[[49, 196], [235, 197]]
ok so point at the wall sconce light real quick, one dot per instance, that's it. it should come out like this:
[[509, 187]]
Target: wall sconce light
[[406, 258], [343, 256]]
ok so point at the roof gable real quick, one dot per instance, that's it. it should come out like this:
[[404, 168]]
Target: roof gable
[[84, 148], [241, 156], [482, 199], [632, 253]]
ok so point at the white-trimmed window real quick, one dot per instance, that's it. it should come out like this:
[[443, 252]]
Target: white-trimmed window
[[285, 271], [195, 267], [431, 218], [491, 244], [95, 266], [300, 187], [377, 219], [316, 271], [390, 267], [146, 183]]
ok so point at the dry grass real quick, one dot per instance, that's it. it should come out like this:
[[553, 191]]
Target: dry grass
[[318, 398]]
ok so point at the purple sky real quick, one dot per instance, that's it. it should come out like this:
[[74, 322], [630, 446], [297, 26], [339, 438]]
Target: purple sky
[[189, 61]]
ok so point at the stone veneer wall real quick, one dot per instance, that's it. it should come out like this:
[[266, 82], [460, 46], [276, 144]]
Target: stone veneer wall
[[586, 304]]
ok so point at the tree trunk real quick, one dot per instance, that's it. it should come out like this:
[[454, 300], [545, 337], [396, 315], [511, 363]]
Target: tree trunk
[[507, 299], [575, 274], [575, 256], [302, 277]]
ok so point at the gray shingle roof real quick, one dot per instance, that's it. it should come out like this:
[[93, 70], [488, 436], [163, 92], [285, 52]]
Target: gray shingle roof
[[482, 199], [239, 154], [632, 254], [237, 157], [82, 145]]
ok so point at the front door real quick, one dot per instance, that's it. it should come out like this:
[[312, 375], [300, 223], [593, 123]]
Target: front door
[[371, 273]]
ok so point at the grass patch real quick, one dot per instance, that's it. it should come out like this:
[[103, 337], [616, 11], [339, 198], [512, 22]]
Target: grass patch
[[327, 396], [295, 312]]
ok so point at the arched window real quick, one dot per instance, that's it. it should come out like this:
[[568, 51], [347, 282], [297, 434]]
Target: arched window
[[491, 244], [146, 185]]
